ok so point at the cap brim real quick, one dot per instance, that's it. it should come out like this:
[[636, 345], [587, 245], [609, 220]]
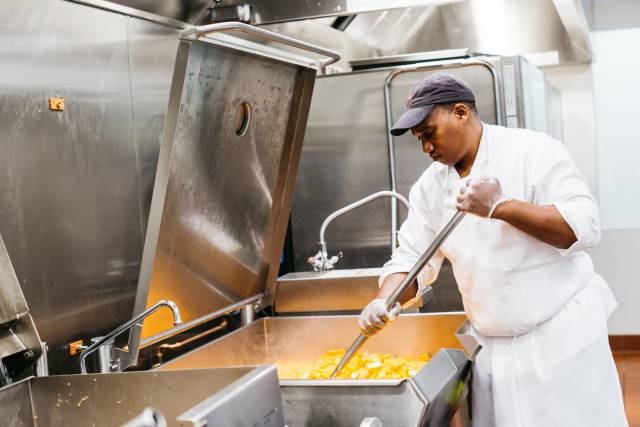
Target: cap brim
[[409, 119]]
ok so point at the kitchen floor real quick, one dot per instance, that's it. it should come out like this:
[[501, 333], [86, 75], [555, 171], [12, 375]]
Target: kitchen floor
[[628, 364]]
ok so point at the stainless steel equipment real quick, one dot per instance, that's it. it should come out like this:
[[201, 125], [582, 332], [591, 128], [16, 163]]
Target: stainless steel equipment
[[429, 398], [109, 360], [552, 28], [334, 292], [225, 176], [76, 185], [75, 241], [112, 399], [183, 397], [326, 291], [251, 396], [20, 345], [402, 287], [218, 218]]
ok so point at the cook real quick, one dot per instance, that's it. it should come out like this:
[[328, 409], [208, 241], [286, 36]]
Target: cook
[[528, 287]]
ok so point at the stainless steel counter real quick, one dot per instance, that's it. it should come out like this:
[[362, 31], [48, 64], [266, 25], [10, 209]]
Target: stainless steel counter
[[107, 400]]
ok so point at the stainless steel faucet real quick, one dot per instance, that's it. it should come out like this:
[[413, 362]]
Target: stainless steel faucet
[[108, 361], [321, 260]]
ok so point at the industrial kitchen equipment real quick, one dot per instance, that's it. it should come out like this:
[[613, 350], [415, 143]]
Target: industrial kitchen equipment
[[217, 225], [184, 397], [321, 261], [20, 346], [266, 127], [430, 398], [113, 399]]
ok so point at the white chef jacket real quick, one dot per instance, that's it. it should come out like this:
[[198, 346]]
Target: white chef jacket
[[528, 302]]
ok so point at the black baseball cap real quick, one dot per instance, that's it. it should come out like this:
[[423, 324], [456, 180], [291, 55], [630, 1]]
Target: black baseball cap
[[440, 88]]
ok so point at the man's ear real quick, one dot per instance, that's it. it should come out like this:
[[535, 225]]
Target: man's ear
[[461, 111]]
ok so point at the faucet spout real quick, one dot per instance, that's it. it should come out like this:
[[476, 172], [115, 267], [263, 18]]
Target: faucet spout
[[321, 260], [177, 319]]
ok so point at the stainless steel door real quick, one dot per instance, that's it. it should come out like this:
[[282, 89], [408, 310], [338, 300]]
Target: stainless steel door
[[223, 189]]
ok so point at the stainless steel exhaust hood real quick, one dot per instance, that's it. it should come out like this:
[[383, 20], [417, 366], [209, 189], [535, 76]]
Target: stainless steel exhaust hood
[[546, 32]]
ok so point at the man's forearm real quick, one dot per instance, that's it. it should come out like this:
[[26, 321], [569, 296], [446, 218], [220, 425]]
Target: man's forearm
[[391, 282], [543, 222]]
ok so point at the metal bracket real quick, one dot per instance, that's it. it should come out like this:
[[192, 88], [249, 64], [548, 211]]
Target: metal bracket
[[471, 345], [42, 364]]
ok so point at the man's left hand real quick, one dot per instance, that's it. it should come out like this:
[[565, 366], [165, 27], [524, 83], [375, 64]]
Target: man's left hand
[[480, 196]]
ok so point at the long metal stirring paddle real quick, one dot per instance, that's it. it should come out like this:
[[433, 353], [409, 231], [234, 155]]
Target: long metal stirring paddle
[[393, 298]]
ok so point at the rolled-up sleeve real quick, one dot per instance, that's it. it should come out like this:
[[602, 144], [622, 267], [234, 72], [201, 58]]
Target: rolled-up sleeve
[[560, 183], [414, 237]]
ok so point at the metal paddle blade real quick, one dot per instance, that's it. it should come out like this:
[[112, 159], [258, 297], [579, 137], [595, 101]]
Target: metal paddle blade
[[359, 342]]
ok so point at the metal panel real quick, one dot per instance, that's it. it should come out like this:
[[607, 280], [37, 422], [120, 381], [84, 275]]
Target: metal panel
[[15, 402], [152, 52], [305, 338], [334, 292], [69, 207], [344, 158], [221, 201], [253, 400], [106, 400], [326, 291], [337, 406], [534, 97], [136, 10], [554, 112], [19, 342]]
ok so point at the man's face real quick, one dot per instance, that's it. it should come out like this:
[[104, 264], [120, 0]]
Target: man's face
[[441, 134]]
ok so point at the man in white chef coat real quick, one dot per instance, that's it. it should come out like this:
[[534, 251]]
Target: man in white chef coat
[[529, 290]]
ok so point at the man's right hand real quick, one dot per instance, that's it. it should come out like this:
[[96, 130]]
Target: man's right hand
[[375, 316]]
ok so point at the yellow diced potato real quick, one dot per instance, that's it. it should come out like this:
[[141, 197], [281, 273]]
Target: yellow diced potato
[[374, 365], [361, 366]]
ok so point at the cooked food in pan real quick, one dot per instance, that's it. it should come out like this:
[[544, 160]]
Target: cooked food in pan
[[362, 366]]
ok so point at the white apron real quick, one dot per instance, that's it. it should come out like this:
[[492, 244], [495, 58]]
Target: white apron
[[539, 311], [560, 374]]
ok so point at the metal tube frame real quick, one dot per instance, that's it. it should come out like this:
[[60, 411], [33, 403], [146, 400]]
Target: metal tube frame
[[323, 244], [389, 116], [108, 339], [386, 193], [195, 33], [247, 314], [42, 364]]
